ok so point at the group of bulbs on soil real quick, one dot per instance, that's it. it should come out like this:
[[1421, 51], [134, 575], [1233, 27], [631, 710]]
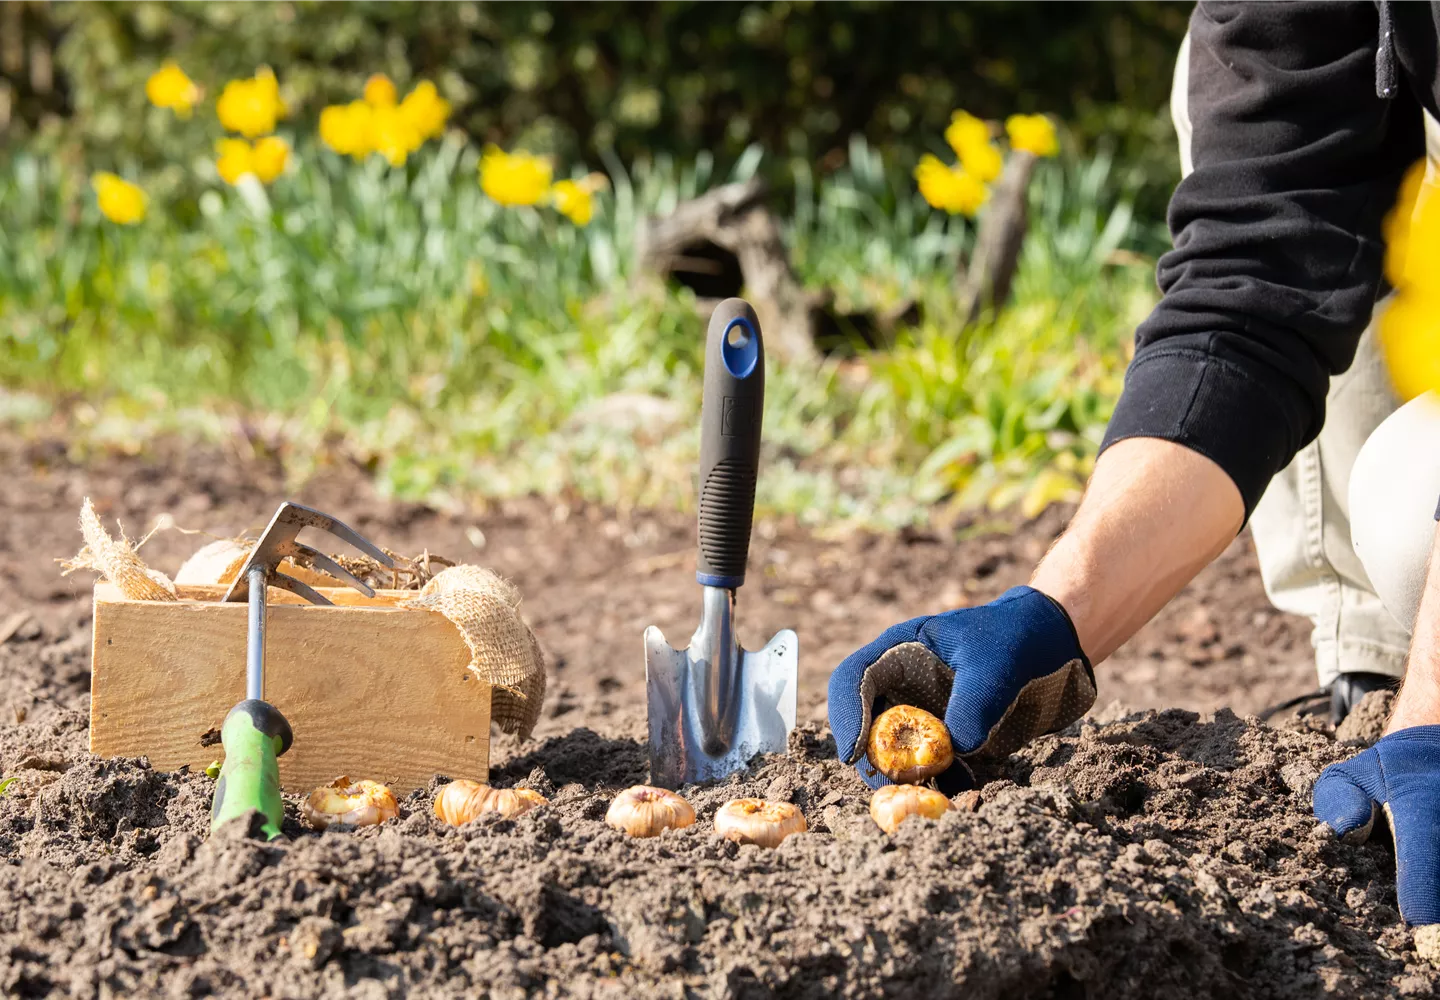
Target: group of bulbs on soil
[[906, 744]]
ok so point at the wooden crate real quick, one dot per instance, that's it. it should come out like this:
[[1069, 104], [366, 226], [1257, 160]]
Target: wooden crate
[[370, 689]]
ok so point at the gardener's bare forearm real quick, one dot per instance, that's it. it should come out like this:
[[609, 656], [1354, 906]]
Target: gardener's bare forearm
[[1419, 700], [1155, 513]]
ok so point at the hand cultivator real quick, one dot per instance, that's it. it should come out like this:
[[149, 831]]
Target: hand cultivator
[[255, 734]]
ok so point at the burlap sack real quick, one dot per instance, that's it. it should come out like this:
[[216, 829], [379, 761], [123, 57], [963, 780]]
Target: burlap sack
[[503, 650]]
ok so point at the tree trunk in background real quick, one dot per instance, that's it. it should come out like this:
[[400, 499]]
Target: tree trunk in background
[[734, 219], [985, 284]]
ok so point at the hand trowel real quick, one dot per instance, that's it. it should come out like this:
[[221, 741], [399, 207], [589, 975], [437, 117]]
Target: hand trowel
[[714, 705]]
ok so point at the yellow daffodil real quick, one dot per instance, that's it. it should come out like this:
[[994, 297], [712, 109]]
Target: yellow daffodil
[[380, 91], [1410, 323], [949, 188], [514, 178], [1032, 134], [266, 159], [982, 161], [965, 131], [233, 159], [169, 87], [574, 201], [119, 200], [426, 110], [251, 107], [269, 158], [392, 135], [345, 128], [969, 137]]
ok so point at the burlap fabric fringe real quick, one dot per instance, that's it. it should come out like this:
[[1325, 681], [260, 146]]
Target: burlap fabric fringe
[[118, 561], [503, 650], [483, 606]]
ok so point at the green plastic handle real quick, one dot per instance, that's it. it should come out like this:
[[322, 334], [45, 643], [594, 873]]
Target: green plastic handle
[[254, 735]]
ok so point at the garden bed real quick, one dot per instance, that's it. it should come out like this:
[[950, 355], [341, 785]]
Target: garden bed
[[1137, 853]]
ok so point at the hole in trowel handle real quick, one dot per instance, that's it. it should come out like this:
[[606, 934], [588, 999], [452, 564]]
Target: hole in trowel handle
[[740, 349]]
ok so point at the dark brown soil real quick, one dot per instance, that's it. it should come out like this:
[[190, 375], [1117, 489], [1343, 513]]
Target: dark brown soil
[[1138, 853]]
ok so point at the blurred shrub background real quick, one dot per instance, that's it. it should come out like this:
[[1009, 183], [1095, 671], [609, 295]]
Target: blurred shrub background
[[396, 316], [797, 78]]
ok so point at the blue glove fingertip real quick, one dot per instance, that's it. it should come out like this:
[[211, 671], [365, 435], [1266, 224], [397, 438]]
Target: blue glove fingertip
[[1343, 799]]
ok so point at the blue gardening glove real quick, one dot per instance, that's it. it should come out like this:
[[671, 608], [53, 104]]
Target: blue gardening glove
[[1401, 773], [999, 675]]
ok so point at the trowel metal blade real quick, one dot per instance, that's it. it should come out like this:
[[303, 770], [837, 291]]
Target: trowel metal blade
[[694, 741]]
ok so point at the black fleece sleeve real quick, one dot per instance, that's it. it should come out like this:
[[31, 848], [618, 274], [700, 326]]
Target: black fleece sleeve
[[1277, 258]]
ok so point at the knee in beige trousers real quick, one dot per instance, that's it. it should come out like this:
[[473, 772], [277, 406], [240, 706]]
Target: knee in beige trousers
[[1394, 490]]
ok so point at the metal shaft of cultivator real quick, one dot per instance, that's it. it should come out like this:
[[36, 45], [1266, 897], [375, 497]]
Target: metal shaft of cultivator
[[255, 640]]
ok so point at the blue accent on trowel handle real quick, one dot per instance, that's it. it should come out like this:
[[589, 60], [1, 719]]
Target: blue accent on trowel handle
[[740, 358], [724, 582]]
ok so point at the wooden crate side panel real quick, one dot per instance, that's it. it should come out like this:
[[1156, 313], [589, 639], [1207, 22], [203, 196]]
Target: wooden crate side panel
[[372, 692]]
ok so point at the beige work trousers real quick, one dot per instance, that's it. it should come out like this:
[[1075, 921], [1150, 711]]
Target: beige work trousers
[[1343, 533]]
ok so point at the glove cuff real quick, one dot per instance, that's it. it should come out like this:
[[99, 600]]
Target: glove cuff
[[1070, 623]]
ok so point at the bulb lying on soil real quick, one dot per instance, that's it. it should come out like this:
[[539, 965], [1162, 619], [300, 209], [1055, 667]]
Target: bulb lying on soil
[[908, 745], [894, 804], [357, 803], [643, 811], [755, 821], [461, 801]]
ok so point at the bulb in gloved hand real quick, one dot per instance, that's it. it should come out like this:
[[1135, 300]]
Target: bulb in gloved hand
[[755, 821], [358, 803], [908, 745], [894, 804], [461, 801], [643, 811]]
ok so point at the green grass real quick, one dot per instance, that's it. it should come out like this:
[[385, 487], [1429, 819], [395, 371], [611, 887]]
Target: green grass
[[462, 349]]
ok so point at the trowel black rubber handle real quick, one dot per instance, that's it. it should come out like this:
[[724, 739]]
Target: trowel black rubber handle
[[730, 416]]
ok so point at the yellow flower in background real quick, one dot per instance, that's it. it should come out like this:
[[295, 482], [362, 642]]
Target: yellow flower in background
[[251, 107], [966, 132], [233, 159], [1032, 134], [169, 87], [1410, 324], [119, 200], [392, 134], [982, 161], [426, 110], [266, 159], [576, 199], [269, 158], [376, 124], [345, 128], [380, 91], [514, 178], [949, 188]]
